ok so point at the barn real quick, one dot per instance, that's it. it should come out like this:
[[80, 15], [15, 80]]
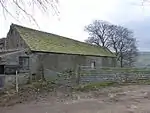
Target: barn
[[33, 50]]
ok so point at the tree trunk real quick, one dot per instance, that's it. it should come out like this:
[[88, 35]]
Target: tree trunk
[[121, 61], [103, 44]]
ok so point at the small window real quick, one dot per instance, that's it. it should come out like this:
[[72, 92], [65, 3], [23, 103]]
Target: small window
[[1, 69], [93, 64], [24, 62]]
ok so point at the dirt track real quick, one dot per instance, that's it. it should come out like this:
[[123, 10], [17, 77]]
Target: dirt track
[[124, 99]]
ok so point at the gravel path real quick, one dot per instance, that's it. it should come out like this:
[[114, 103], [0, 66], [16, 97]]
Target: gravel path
[[124, 99]]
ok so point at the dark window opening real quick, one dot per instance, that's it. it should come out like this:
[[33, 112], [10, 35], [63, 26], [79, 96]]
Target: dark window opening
[[1, 69], [93, 64], [24, 62]]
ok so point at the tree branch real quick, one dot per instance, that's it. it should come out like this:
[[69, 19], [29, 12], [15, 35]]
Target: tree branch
[[43, 5]]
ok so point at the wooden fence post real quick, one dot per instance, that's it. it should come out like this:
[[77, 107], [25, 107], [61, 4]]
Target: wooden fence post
[[17, 81]]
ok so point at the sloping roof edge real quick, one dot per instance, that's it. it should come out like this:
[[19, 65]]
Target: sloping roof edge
[[32, 49]]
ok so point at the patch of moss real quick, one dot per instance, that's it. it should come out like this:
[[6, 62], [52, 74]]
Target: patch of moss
[[47, 42]]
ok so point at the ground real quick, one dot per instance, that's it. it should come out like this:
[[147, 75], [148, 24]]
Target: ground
[[123, 99]]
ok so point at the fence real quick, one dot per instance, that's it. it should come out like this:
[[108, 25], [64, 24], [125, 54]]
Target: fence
[[82, 75], [14, 76], [87, 74], [22, 78], [65, 78], [9, 81]]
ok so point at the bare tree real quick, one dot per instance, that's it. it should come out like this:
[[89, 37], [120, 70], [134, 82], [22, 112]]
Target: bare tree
[[124, 44], [23, 6], [122, 41], [116, 38], [98, 32], [130, 53]]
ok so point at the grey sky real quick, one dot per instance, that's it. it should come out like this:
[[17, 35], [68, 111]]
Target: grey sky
[[75, 14]]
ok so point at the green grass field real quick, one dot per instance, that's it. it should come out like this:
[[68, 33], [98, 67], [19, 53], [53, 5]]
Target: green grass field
[[143, 60]]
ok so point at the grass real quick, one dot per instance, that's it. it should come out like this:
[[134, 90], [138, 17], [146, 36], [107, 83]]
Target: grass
[[94, 86], [143, 82], [40, 86], [143, 60], [97, 86], [114, 70], [117, 69]]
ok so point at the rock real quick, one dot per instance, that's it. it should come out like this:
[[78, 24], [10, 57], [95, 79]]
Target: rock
[[111, 95]]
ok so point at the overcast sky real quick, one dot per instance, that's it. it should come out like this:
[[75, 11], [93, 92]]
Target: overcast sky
[[75, 14]]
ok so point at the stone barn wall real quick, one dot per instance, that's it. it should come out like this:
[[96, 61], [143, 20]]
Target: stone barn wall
[[14, 41], [62, 62]]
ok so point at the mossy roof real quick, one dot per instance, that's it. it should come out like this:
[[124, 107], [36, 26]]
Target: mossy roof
[[48, 42]]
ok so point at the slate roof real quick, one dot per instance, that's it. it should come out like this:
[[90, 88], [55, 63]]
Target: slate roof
[[48, 42]]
